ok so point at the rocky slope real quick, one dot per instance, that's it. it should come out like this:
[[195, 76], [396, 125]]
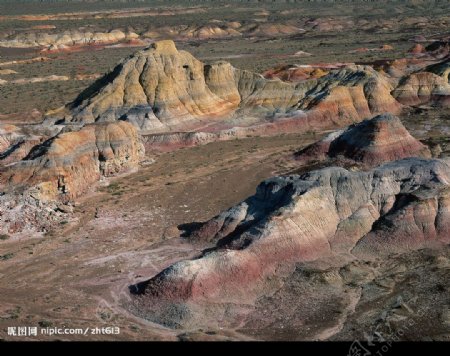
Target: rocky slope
[[66, 165], [39, 181], [397, 298], [399, 206], [369, 143]]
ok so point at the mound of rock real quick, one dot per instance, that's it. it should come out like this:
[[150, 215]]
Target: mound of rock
[[399, 206], [417, 49], [160, 87], [368, 143], [429, 86], [295, 73], [9, 135], [439, 49], [66, 165]]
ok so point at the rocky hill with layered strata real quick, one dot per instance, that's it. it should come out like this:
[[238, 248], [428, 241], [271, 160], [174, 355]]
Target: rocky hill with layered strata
[[370, 143], [400, 206], [161, 89]]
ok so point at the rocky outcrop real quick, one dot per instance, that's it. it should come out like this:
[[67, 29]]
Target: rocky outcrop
[[67, 38], [428, 86], [175, 140], [26, 215], [9, 135], [220, 29], [66, 165], [349, 95], [368, 143], [15, 144], [399, 206], [270, 29], [172, 141], [160, 86], [20, 149], [417, 49], [298, 73], [327, 24], [439, 49], [107, 14], [161, 89], [193, 32], [58, 41]]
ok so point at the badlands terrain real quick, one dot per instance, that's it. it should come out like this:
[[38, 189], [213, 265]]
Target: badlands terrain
[[225, 171]]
